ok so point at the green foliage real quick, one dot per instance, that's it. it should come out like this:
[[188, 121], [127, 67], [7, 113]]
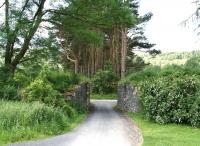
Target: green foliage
[[49, 87], [195, 113], [171, 99], [62, 80], [145, 74], [134, 63], [169, 94], [104, 81], [9, 88], [24, 121], [40, 90], [193, 62], [22, 79], [17, 115]]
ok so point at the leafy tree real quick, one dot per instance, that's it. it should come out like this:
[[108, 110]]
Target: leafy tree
[[20, 31], [137, 40]]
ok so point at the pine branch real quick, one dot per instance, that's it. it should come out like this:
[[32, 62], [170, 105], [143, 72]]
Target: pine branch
[[2, 5]]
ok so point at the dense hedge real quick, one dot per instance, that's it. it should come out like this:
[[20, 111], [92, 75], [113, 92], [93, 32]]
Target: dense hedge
[[172, 100], [170, 94]]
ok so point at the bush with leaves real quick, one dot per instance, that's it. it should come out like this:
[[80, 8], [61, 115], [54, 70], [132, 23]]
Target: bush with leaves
[[49, 88], [104, 81], [61, 80], [193, 62], [40, 90], [8, 86], [172, 99]]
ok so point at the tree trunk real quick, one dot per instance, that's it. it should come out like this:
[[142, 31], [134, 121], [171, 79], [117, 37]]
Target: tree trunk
[[76, 66], [123, 51], [12, 61]]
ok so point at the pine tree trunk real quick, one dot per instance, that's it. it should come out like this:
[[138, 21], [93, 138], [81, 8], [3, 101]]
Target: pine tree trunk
[[123, 51]]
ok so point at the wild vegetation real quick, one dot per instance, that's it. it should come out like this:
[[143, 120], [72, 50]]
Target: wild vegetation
[[170, 94], [23, 121], [48, 47]]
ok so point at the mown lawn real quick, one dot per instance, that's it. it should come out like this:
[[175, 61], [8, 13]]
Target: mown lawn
[[104, 96], [166, 135]]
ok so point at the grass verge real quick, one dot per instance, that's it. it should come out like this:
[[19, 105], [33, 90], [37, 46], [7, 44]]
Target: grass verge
[[29, 121], [104, 96], [166, 135]]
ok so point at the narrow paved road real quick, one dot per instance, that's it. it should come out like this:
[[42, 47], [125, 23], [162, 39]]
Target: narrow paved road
[[103, 127]]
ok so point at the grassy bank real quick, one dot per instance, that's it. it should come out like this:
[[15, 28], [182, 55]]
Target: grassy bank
[[25, 121], [166, 135], [104, 96]]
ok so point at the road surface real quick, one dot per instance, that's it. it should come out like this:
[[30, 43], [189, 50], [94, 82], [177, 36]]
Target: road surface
[[103, 127]]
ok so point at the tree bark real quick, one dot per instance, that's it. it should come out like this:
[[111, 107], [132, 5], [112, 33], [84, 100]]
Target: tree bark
[[123, 51]]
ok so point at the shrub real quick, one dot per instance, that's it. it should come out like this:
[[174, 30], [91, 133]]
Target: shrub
[[195, 113], [22, 79], [145, 74], [8, 86], [193, 62], [69, 111], [40, 90], [61, 80], [49, 87], [171, 99], [9, 92], [104, 82]]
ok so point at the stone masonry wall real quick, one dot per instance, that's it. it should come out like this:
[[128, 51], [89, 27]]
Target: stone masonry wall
[[127, 98], [80, 95]]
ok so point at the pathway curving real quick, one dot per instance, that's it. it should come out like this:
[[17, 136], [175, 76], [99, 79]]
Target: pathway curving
[[103, 127]]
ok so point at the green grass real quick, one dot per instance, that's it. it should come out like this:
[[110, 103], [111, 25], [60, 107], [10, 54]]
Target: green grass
[[166, 135], [104, 96], [28, 121]]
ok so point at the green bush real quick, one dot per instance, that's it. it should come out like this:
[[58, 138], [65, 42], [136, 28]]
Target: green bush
[[145, 74], [171, 99], [8, 86], [22, 79], [62, 80], [195, 113], [49, 87], [40, 90], [70, 112], [193, 62], [104, 82], [9, 92]]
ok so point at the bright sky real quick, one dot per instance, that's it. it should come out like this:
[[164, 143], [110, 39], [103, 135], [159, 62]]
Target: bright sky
[[164, 28]]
